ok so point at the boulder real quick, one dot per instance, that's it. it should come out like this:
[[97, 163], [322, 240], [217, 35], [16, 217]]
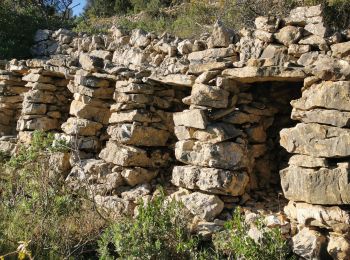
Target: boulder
[[332, 218], [137, 115], [288, 35], [205, 206], [328, 68], [195, 118], [309, 244], [316, 140], [341, 50], [135, 134], [268, 24], [132, 156], [80, 126], [328, 95], [90, 63], [210, 54], [139, 38], [338, 246], [307, 161], [175, 80], [262, 74], [319, 29], [97, 114], [324, 186], [225, 155], [210, 180], [221, 36], [208, 96], [137, 175], [322, 116]]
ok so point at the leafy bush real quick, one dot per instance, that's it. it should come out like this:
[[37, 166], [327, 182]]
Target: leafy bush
[[38, 210], [20, 20], [235, 241], [159, 231], [197, 16]]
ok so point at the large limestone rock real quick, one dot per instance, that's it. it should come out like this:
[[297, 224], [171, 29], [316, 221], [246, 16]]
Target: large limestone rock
[[316, 140], [81, 126], [288, 35], [338, 246], [221, 36], [175, 79], [139, 115], [214, 133], [333, 218], [135, 134], [307, 161], [225, 155], [329, 68], [341, 50], [309, 244], [209, 96], [210, 180], [132, 156], [263, 74], [210, 54], [195, 118], [205, 206], [97, 114], [328, 94], [137, 175], [326, 186], [322, 116]]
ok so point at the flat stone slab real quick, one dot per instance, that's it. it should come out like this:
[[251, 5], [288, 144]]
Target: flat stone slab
[[324, 186], [263, 74], [316, 140]]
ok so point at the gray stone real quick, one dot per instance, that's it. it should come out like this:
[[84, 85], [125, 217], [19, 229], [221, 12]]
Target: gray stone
[[326, 186], [316, 140], [309, 244], [195, 118], [205, 206], [210, 180], [225, 155]]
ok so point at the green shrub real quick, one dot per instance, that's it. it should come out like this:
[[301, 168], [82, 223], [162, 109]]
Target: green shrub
[[235, 242], [40, 211], [157, 232]]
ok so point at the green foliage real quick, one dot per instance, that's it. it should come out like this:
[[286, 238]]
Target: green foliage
[[36, 207], [236, 242], [159, 231], [19, 21]]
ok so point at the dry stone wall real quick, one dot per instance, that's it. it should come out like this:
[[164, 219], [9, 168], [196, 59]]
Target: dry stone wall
[[205, 118]]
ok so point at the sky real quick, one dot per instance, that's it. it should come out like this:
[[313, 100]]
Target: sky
[[79, 9]]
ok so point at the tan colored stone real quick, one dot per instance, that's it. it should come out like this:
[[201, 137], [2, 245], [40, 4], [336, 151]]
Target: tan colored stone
[[309, 244], [326, 186], [136, 175], [341, 50], [195, 118], [263, 74], [210, 180], [333, 218], [338, 246], [139, 115], [307, 161], [225, 155], [288, 35], [322, 116], [97, 114], [205, 206], [134, 134], [79, 126], [316, 140]]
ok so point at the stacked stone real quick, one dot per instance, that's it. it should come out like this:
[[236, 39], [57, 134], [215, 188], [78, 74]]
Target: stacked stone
[[319, 168], [11, 97], [90, 109], [141, 131], [45, 104]]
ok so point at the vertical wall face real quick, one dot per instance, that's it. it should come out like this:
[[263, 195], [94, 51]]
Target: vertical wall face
[[45, 104], [11, 97]]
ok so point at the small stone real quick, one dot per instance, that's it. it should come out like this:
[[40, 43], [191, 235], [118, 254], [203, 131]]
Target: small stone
[[205, 206]]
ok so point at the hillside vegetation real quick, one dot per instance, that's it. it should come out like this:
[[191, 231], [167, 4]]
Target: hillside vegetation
[[183, 18]]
